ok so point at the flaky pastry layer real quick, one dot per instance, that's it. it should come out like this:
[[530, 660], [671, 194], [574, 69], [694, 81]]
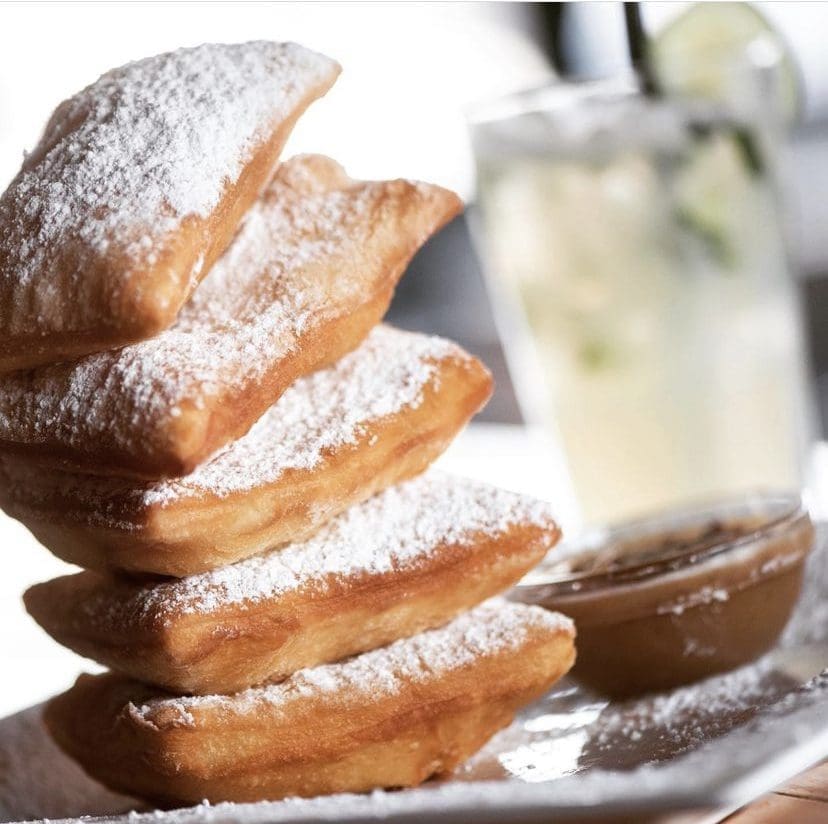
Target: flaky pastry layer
[[407, 560], [388, 718], [375, 418], [309, 274], [137, 186]]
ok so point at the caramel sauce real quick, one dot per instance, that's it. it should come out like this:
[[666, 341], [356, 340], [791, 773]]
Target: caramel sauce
[[673, 605]]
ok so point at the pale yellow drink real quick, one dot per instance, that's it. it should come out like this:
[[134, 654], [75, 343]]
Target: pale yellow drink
[[642, 261]]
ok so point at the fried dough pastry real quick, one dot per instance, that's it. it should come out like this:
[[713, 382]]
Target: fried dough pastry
[[307, 277], [136, 187], [377, 417], [409, 559], [388, 718]]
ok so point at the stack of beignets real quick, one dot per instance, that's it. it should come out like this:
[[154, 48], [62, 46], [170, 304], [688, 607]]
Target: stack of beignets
[[215, 426]]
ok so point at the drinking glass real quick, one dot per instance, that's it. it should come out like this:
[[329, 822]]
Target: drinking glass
[[635, 256]]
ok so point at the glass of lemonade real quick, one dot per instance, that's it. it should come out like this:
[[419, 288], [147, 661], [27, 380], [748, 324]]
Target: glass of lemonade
[[635, 257]]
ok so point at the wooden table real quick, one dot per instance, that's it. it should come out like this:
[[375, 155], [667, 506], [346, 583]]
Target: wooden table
[[801, 801]]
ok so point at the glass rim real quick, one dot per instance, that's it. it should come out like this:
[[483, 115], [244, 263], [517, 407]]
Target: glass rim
[[536, 98], [558, 92]]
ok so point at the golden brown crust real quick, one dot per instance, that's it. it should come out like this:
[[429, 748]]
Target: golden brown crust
[[229, 648], [325, 741], [118, 300], [205, 530], [265, 316]]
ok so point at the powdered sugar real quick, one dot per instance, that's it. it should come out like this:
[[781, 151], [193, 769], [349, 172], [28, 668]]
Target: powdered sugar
[[491, 628], [397, 529], [303, 255], [594, 752], [124, 161], [687, 715], [690, 600], [597, 749], [320, 412]]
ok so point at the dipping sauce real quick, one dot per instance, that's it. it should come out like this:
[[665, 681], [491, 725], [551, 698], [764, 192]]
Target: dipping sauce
[[679, 597]]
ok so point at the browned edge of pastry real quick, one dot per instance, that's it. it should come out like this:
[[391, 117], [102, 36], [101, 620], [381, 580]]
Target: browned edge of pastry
[[244, 644], [136, 314], [396, 740], [194, 536]]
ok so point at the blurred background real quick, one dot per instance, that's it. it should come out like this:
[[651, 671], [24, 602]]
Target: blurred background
[[644, 260]]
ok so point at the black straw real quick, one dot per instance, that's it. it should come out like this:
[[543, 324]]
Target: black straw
[[639, 53]]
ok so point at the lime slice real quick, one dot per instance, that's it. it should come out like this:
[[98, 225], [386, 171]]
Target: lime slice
[[713, 195], [702, 51]]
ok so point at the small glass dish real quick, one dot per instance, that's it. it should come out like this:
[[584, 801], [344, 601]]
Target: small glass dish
[[680, 596]]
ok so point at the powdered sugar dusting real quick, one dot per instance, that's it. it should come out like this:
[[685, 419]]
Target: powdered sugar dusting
[[320, 412], [124, 161], [323, 413], [304, 253], [687, 714], [490, 629], [397, 529]]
